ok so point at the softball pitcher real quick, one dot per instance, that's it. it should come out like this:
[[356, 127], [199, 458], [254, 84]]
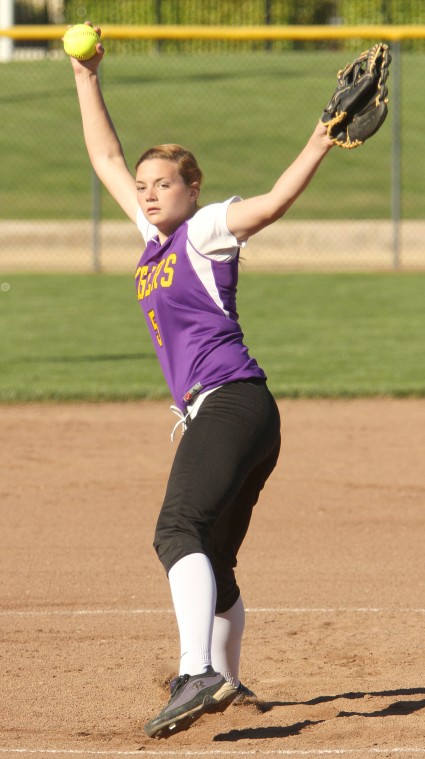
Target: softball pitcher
[[186, 286]]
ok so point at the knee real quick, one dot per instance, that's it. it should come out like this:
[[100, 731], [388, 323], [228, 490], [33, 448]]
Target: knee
[[227, 588], [171, 546], [226, 598]]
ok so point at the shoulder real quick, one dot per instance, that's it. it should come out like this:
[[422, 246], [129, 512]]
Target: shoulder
[[209, 234], [214, 215]]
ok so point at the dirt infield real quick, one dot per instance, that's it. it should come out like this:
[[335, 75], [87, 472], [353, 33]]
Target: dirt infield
[[332, 574]]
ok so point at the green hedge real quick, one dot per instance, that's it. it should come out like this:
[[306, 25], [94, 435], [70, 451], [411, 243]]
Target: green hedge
[[244, 12], [238, 12], [229, 12]]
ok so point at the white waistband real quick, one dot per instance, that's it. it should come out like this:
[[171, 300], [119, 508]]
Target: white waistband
[[192, 410]]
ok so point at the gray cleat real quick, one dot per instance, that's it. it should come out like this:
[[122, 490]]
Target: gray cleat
[[191, 697]]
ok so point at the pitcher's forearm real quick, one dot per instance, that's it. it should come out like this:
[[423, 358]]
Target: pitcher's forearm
[[103, 145], [99, 133], [249, 216], [300, 173]]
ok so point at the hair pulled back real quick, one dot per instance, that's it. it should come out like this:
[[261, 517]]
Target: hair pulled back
[[185, 160]]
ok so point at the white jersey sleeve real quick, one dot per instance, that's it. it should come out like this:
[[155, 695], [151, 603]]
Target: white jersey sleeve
[[209, 234]]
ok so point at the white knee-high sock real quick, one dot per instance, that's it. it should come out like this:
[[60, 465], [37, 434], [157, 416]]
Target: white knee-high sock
[[194, 594], [226, 641]]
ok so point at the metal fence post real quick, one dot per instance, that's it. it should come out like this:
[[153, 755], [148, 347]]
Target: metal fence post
[[158, 21], [268, 45], [396, 191]]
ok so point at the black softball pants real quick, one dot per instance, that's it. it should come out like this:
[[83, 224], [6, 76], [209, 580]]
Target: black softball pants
[[222, 463]]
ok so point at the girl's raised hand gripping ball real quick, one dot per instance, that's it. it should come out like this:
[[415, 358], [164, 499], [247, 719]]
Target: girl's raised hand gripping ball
[[80, 41]]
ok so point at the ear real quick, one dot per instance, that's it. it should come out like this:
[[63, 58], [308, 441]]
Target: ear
[[194, 191]]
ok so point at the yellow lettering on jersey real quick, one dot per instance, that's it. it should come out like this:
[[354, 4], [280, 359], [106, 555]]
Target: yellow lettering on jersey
[[141, 274], [167, 279], [156, 275], [151, 315], [149, 276], [148, 282]]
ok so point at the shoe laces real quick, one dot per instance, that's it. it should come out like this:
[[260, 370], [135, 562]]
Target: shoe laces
[[177, 682]]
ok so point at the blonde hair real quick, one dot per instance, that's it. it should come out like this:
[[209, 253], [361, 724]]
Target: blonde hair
[[185, 160]]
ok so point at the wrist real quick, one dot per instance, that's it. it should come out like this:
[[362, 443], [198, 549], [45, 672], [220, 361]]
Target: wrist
[[320, 138], [85, 73]]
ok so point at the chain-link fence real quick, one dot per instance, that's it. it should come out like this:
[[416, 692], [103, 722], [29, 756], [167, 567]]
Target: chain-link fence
[[245, 113]]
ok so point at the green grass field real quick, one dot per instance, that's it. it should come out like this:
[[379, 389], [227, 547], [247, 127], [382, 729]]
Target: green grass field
[[83, 337], [245, 116]]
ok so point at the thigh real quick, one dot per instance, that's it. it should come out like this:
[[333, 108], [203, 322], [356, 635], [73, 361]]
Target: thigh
[[235, 430], [232, 524], [230, 529]]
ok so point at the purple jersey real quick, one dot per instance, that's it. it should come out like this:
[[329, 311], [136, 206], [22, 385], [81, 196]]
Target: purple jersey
[[189, 301]]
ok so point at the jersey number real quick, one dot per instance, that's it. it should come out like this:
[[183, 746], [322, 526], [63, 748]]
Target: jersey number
[[151, 315]]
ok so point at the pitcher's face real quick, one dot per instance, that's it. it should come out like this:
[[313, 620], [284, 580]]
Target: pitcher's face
[[165, 199]]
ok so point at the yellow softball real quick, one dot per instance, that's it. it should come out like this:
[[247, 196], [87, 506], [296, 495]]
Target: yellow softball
[[80, 41]]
